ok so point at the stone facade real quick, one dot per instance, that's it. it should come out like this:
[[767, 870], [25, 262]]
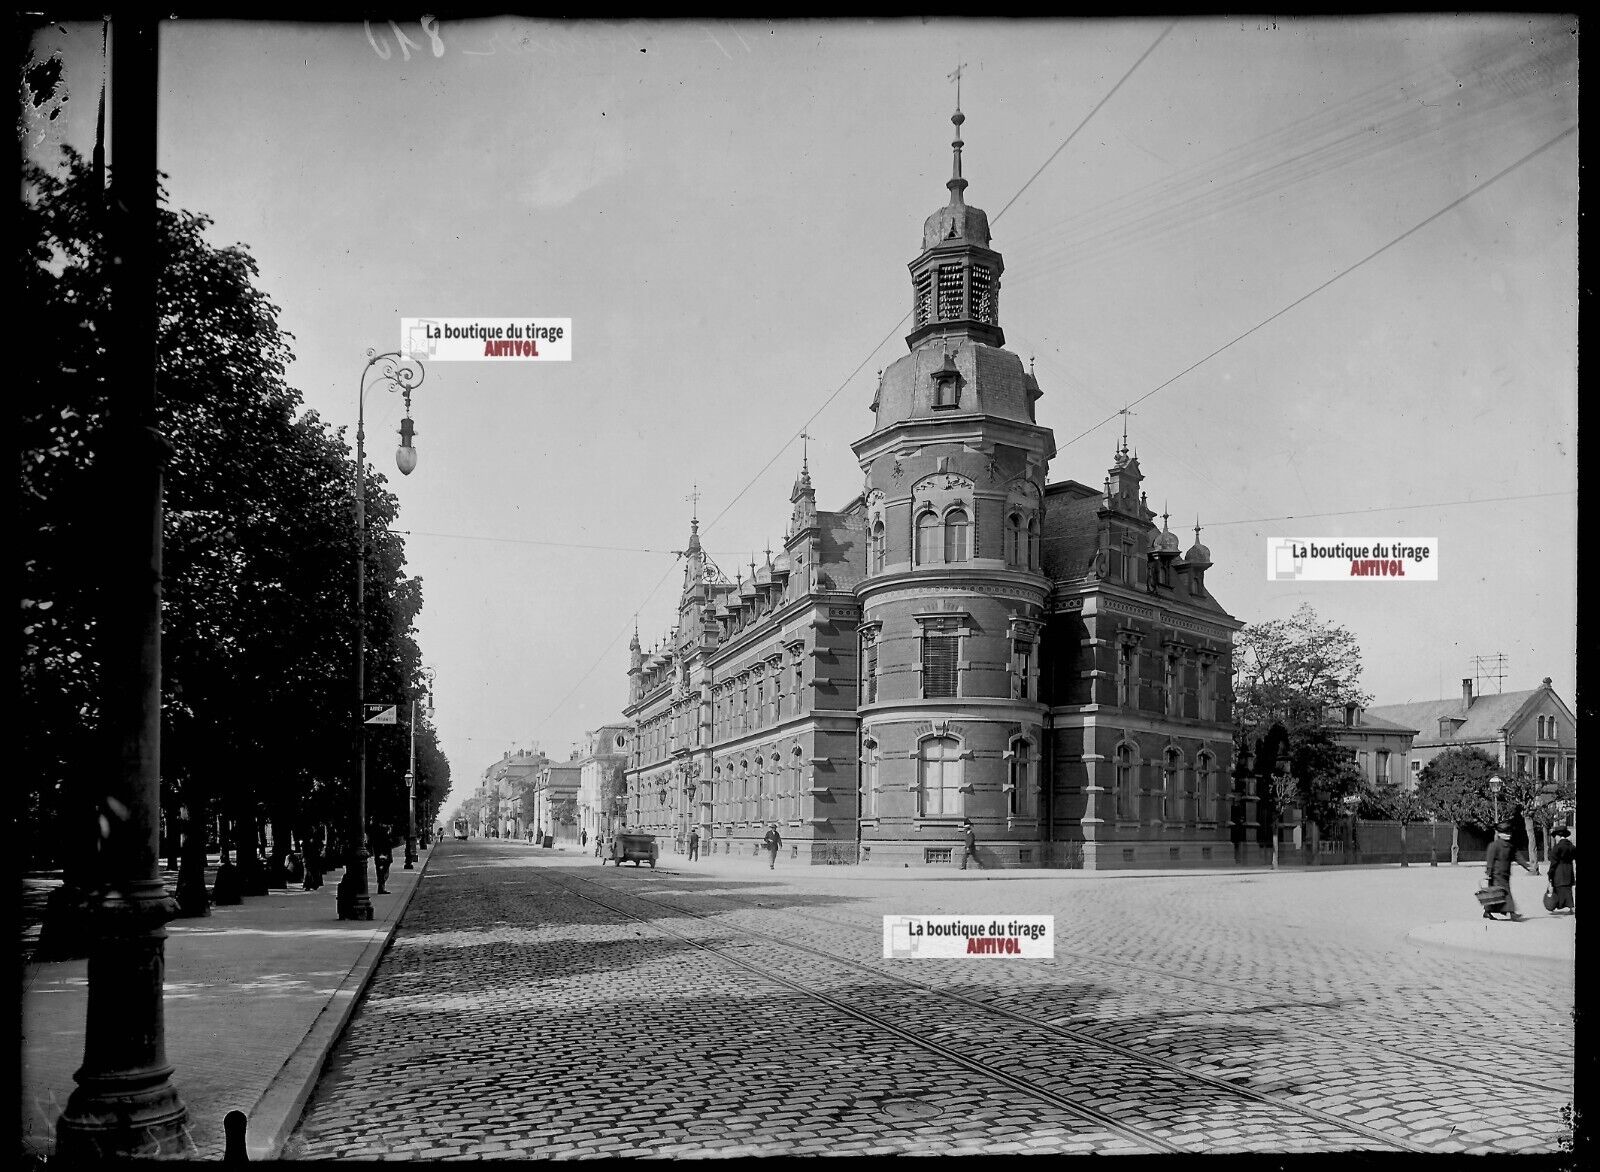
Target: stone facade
[[962, 642]]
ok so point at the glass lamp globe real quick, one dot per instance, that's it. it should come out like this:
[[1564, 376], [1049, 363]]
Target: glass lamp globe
[[406, 460]]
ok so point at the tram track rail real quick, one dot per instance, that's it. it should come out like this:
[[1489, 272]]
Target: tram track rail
[[1142, 1135], [1472, 1040]]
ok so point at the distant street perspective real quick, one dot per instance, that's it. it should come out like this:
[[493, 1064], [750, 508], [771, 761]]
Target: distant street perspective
[[535, 1003]]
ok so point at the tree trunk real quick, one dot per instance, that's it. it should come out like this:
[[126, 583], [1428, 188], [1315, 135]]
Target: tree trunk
[[1316, 839], [192, 896], [1455, 843], [1533, 842], [1404, 862], [247, 837]]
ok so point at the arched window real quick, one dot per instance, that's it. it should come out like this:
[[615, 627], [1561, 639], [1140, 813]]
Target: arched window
[[1125, 782], [1203, 796], [1021, 780], [1033, 543], [939, 777], [794, 777], [955, 535], [1014, 550], [927, 538], [743, 812], [878, 545]]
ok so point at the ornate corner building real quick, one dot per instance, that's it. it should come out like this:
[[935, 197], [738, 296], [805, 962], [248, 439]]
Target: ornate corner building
[[962, 642]]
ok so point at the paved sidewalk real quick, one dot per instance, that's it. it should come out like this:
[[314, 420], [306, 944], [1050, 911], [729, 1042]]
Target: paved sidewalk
[[256, 996]]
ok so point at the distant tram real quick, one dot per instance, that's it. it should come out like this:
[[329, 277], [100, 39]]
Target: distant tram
[[461, 828]]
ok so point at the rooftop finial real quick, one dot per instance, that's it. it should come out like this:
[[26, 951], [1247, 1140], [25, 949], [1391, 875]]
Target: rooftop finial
[[957, 184], [694, 503], [1197, 528]]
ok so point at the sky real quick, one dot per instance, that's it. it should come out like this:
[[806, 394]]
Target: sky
[[1328, 265]]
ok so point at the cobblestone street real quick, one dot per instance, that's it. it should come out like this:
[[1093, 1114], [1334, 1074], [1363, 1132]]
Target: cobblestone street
[[537, 1004]]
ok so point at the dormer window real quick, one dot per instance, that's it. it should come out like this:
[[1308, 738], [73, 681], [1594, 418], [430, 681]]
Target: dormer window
[[946, 383]]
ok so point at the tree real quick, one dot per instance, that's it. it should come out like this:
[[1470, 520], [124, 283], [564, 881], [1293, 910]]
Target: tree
[[614, 793], [259, 552], [1292, 672], [564, 810], [1455, 787], [1289, 674], [1399, 802]]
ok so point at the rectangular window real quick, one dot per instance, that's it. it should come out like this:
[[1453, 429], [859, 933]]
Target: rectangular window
[[870, 672], [940, 655], [1572, 769], [1522, 763], [1022, 666], [1546, 768], [936, 854], [1383, 766]]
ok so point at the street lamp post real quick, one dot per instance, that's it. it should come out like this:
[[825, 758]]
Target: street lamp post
[[395, 373], [125, 1103], [1494, 792]]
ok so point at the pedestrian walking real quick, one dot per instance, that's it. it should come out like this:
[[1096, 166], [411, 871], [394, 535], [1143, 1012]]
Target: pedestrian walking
[[1497, 871], [772, 841], [969, 847], [1562, 855], [313, 845], [583, 838], [694, 845]]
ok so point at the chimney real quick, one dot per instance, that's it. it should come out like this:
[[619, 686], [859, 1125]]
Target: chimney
[[1466, 694]]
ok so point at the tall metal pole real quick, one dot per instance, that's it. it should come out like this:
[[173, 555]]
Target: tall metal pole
[[125, 1104], [404, 375], [411, 795], [354, 901]]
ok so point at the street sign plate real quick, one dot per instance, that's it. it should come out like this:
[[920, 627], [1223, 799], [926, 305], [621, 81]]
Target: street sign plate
[[380, 713]]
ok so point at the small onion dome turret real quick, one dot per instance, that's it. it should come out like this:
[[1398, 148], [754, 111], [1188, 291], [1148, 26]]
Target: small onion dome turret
[[1198, 554]]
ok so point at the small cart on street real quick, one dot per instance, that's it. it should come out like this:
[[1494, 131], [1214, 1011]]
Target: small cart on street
[[634, 848]]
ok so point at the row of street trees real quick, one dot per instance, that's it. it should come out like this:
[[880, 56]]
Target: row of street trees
[[1290, 675], [258, 625]]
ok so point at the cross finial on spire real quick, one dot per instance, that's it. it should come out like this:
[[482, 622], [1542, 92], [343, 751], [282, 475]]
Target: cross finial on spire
[[1164, 514], [957, 184], [955, 75]]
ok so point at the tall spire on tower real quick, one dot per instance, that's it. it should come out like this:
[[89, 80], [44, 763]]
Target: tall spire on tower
[[957, 184]]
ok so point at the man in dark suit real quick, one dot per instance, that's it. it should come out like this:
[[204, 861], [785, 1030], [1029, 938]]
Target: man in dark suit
[[773, 841], [969, 847]]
